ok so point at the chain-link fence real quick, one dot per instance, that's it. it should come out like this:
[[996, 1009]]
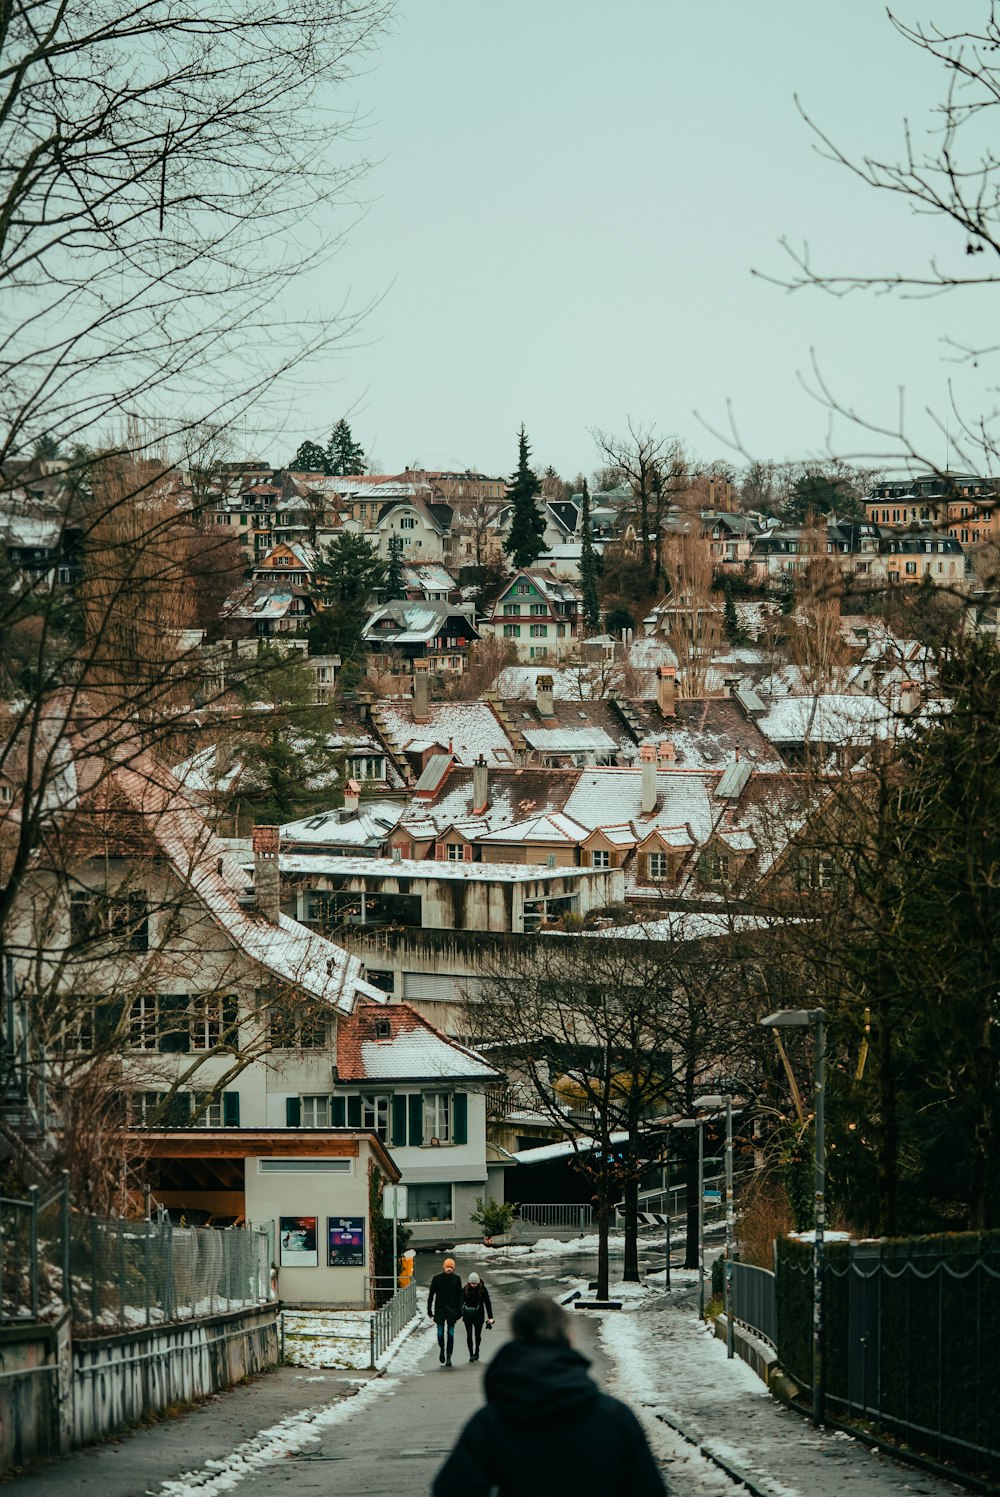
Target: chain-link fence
[[121, 1275]]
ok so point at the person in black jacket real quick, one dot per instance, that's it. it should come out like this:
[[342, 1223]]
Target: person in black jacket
[[444, 1305], [547, 1430], [476, 1308]]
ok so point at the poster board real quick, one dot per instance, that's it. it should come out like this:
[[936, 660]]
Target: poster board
[[346, 1241], [297, 1238]]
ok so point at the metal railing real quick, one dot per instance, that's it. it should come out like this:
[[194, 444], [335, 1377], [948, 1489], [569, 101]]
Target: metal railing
[[389, 1321], [121, 1275], [577, 1217], [753, 1300]]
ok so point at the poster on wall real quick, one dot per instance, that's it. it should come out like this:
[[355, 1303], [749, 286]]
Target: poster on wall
[[347, 1241], [298, 1242]]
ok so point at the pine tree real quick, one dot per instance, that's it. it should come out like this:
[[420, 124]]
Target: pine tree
[[590, 568], [344, 456], [310, 458], [524, 543], [348, 572], [395, 585]]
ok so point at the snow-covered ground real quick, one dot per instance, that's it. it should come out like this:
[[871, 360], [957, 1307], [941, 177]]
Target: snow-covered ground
[[666, 1362], [327, 1338]]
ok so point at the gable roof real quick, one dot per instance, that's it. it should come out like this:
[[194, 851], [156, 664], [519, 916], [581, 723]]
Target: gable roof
[[414, 1049]]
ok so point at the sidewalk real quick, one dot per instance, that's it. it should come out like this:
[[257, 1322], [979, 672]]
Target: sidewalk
[[664, 1360]]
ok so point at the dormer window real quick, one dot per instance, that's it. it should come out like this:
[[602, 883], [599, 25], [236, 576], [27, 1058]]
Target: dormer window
[[383, 1029]]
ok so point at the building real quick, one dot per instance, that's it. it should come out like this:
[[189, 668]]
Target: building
[[538, 614], [404, 637]]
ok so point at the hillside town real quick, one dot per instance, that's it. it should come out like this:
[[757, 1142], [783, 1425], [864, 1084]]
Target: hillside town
[[552, 891]]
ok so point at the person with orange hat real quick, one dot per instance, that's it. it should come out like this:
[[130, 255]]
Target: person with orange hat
[[444, 1306]]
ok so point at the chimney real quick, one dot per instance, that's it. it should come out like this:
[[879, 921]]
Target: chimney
[[665, 753], [421, 697], [647, 755], [909, 697], [480, 786], [266, 877], [666, 685], [544, 696], [352, 794]]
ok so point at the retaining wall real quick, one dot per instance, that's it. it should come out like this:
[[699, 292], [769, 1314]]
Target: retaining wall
[[117, 1379], [35, 1391]]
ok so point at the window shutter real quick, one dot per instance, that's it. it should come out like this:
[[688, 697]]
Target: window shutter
[[293, 1112], [439, 852], [416, 1119], [230, 1109], [230, 1015], [354, 1112], [174, 1023], [177, 1113], [338, 1112], [461, 1108], [399, 1122]]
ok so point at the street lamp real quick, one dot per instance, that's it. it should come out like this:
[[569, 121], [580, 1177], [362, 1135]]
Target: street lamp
[[804, 1018], [699, 1123], [711, 1104]]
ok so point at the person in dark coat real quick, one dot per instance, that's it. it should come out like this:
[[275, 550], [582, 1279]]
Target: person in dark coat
[[444, 1306], [476, 1308], [547, 1430]]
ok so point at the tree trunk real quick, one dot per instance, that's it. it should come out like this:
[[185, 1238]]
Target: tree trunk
[[603, 1257], [631, 1270]]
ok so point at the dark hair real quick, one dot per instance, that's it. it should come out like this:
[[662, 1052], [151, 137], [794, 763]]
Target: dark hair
[[539, 1321]]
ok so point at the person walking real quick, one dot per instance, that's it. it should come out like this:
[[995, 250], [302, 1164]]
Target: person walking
[[444, 1306], [547, 1430], [476, 1308]]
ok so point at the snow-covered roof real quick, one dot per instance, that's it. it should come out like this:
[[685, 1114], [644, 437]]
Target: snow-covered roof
[[469, 729], [371, 823], [546, 1152], [569, 740], [833, 719], [555, 828], [412, 1050], [683, 925], [427, 868]]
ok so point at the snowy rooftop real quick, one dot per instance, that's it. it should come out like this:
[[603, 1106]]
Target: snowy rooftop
[[470, 728], [569, 740], [372, 822], [411, 1050], [827, 719], [428, 868]]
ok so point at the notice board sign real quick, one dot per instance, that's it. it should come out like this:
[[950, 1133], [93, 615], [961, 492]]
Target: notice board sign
[[297, 1236], [346, 1244]]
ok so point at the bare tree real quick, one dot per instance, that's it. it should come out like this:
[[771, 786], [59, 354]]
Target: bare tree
[[654, 467]]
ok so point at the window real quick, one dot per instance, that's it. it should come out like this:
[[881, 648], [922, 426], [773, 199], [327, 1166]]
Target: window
[[455, 852], [512, 631], [6, 794], [511, 609], [658, 865], [383, 1028], [408, 523], [600, 858], [143, 1028], [142, 1107], [437, 1117], [297, 1031], [206, 1021], [124, 919], [429, 1203], [375, 1116], [315, 1112], [539, 608], [206, 1109], [523, 589], [539, 652], [539, 631], [911, 568]]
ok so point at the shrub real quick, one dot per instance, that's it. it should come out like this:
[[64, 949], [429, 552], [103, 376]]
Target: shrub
[[495, 1217]]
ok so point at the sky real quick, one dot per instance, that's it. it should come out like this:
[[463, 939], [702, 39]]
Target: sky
[[565, 208]]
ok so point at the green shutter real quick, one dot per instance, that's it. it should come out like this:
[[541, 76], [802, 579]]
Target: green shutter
[[230, 1109], [338, 1112], [293, 1112], [461, 1106], [416, 1119], [354, 1112], [174, 1023], [177, 1113], [399, 1121]]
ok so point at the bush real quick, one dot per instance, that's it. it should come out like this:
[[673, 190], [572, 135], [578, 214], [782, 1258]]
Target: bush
[[495, 1217]]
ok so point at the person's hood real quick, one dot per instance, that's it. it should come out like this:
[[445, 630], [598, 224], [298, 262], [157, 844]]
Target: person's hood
[[530, 1383]]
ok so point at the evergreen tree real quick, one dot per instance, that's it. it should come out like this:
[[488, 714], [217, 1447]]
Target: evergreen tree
[[310, 458], [590, 568], [344, 456], [524, 544], [730, 618], [395, 586], [348, 572]]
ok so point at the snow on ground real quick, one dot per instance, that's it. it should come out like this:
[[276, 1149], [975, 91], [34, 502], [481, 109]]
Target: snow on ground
[[327, 1338], [296, 1433]]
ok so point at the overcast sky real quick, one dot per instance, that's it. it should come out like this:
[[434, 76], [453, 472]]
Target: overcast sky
[[567, 201]]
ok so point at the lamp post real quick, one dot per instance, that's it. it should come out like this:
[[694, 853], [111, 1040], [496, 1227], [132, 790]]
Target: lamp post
[[699, 1123], [803, 1018], [712, 1104]]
